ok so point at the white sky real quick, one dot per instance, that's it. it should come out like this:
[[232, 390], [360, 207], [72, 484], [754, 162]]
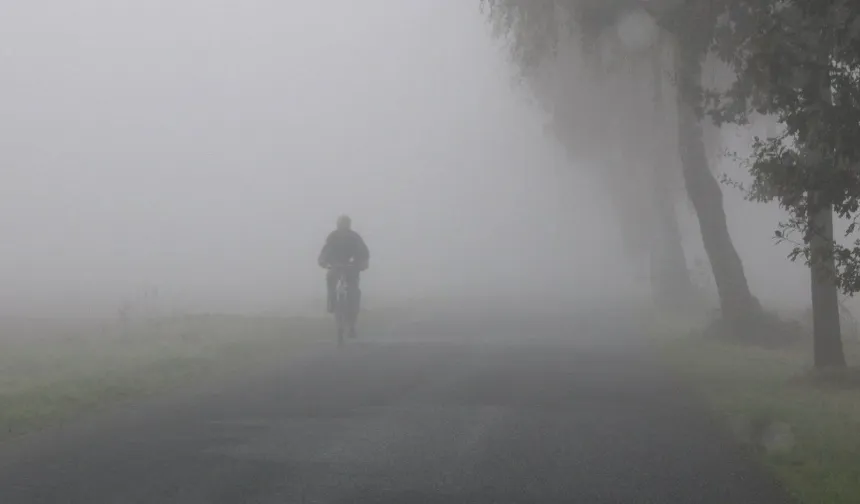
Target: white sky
[[206, 147]]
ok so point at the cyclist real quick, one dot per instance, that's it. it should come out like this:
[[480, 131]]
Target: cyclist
[[344, 246]]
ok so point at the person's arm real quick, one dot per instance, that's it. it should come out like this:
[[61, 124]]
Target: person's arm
[[363, 253], [322, 260]]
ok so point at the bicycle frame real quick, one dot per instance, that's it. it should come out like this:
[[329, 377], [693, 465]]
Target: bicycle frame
[[344, 317]]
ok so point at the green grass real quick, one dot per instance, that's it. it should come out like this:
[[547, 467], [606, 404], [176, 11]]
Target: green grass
[[754, 386], [53, 370]]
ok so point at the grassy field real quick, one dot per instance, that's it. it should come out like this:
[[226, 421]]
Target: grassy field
[[53, 369], [806, 429]]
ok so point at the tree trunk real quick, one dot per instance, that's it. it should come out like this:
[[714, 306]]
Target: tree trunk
[[739, 307], [670, 277], [826, 330]]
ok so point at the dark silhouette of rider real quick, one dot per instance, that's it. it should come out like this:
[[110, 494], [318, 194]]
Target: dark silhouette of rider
[[344, 247]]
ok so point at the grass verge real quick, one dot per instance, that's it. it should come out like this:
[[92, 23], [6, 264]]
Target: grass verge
[[755, 390], [53, 370]]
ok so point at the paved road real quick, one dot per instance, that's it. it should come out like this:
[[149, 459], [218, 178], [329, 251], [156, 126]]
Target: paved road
[[446, 411]]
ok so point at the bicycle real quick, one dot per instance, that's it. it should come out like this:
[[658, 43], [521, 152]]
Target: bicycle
[[344, 314]]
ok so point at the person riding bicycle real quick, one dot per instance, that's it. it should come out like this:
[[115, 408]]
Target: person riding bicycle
[[344, 247]]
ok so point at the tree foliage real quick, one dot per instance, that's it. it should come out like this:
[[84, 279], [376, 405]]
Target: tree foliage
[[535, 29], [588, 110], [799, 61]]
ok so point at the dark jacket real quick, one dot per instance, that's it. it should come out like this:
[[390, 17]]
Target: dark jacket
[[343, 246]]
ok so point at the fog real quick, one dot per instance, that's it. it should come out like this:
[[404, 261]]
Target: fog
[[205, 148]]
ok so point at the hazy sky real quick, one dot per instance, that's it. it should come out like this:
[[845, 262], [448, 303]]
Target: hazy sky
[[207, 146]]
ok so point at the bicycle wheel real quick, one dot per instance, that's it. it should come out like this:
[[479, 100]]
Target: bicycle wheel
[[341, 314], [340, 329]]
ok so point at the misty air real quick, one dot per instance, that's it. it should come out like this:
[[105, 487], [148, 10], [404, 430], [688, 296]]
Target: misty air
[[412, 251]]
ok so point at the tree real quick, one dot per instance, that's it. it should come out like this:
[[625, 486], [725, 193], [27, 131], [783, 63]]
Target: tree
[[672, 281], [536, 27], [609, 125], [800, 62]]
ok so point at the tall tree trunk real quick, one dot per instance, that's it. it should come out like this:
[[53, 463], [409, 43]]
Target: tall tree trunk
[[670, 277], [826, 330], [739, 307], [653, 230]]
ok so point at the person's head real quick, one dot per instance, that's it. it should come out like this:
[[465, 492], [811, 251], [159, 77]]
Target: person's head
[[344, 223]]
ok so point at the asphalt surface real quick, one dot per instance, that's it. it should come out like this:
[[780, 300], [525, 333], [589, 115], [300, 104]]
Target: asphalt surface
[[444, 410]]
